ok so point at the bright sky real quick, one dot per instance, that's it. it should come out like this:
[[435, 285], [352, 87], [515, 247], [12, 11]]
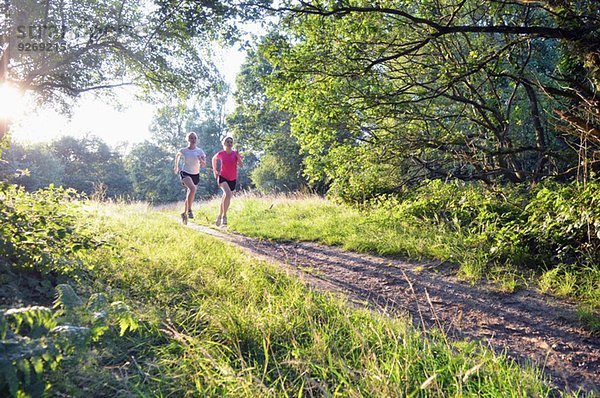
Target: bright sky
[[94, 117], [89, 117]]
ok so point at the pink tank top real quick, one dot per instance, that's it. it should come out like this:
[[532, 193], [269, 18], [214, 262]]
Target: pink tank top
[[228, 164]]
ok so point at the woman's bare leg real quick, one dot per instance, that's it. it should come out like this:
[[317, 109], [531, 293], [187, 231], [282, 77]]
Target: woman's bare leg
[[191, 192], [225, 200]]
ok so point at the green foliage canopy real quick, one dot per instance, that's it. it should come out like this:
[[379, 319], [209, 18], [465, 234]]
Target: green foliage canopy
[[263, 128], [60, 49], [458, 89]]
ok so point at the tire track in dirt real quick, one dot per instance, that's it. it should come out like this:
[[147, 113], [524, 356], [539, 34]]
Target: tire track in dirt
[[531, 327]]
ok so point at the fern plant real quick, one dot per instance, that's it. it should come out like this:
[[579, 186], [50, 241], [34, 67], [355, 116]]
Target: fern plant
[[34, 340]]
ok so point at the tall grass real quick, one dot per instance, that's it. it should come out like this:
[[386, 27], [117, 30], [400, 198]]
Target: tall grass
[[214, 322], [312, 218], [474, 232]]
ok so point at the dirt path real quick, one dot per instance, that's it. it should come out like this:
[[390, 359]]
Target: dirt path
[[530, 326]]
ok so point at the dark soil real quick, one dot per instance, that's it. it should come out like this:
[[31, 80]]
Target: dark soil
[[529, 326]]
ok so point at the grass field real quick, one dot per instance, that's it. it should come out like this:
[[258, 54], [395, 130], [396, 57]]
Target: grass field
[[312, 218], [214, 322], [377, 230]]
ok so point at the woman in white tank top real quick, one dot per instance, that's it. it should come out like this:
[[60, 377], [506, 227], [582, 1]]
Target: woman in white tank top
[[193, 158]]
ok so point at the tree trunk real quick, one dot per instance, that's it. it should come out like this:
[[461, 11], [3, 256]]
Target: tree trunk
[[540, 134]]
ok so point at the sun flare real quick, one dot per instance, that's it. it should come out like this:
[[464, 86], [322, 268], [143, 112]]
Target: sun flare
[[11, 101]]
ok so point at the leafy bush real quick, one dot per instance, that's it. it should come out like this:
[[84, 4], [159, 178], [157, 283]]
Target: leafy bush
[[559, 225], [460, 205], [552, 229], [565, 220], [274, 174], [41, 235], [554, 224], [40, 231], [357, 174]]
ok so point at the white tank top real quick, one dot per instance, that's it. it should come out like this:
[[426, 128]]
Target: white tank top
[[191, 159]]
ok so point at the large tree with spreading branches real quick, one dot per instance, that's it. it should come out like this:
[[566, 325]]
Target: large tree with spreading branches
[[496, 90], [58, 49]]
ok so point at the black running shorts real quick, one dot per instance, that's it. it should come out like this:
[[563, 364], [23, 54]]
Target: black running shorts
[[230, 183], [195, 177]]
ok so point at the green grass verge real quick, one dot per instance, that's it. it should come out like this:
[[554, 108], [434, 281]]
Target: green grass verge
[[214, 322], [311, 218], [380, 231]]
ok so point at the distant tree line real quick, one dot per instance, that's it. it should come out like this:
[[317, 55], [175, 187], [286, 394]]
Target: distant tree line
[[272, 159], [145, 172]]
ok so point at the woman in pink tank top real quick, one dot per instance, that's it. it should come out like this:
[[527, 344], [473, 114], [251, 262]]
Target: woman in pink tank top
[[226, 176]]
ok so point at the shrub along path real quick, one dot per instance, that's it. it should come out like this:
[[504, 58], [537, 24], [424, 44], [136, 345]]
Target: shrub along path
[[528, 325]]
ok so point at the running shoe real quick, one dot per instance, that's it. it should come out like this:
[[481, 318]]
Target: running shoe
[[224, 221], [184, 218], [218, 221], [190, 214]]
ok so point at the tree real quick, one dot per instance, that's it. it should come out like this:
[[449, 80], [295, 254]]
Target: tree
[[263, 128], [150, 168], [32, 167], [439, 88], [85, 164], [168, 126], [91, 167], [57, 50]]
